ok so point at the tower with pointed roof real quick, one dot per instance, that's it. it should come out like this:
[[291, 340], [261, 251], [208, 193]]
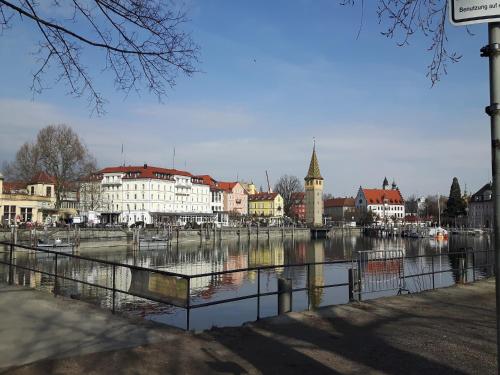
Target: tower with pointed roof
[[314, 192], [385, 184]]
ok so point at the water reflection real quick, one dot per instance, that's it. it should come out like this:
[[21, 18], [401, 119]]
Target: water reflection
[[196, 259]]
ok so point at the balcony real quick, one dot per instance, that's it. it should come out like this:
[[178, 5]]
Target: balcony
[[105, 182]]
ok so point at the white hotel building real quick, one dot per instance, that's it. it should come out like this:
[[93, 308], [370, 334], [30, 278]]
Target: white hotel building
[[148, 194]]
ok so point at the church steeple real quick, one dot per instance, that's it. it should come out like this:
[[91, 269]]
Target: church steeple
[[314, 172]]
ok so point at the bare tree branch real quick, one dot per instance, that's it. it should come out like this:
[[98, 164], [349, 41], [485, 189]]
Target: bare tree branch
[[405, 18], [142, 42]]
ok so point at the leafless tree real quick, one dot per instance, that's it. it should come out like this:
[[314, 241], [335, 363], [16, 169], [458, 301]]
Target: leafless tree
[[140, 41], [404, 18], [63, 156], [26, 164], [327, 196], [57, 151], [286, 186], [91, 198]]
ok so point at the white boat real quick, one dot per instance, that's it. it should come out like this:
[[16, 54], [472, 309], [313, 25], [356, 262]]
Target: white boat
[[57, 243]]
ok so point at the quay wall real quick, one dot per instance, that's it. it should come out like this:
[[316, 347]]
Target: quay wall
[[119, 236]]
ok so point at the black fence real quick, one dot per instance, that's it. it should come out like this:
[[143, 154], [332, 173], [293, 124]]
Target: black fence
[[176, 290]]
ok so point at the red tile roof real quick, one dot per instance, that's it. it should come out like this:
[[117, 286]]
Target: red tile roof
[[14, 187], [227, 186], [43, 178], [380, 196], [339, 202], [262, 197], [144, 171]]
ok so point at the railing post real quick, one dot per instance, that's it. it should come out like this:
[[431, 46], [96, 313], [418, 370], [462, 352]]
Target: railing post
[[360, 285], [461, 269], [258, 293], [433, 282], [55, 275], [351, 284], [308, 283], [188, 304], [11, 265], [114, 288], [473, 266]]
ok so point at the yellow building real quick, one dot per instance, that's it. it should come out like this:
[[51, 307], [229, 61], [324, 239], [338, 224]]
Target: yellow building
[[265, 205], [20, 203], [250, 188]]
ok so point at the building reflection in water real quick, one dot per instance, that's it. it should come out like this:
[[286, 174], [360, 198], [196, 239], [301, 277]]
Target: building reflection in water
[[193, 258]]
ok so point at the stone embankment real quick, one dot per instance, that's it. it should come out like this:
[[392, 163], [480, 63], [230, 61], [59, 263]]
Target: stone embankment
[[122, 236], [444, 331]]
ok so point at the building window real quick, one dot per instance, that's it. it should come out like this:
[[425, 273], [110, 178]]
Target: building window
[[48, 191], [32, 190]]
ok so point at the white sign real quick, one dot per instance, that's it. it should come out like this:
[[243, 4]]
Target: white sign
[[466, 12], [77, 220]]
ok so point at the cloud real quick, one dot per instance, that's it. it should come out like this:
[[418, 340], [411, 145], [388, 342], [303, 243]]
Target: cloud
[[230, 142]]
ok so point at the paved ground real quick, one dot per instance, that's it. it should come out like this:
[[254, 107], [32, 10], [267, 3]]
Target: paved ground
[[447, 331]]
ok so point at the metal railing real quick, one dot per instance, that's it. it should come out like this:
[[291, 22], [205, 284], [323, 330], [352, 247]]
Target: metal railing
[[175, 289]]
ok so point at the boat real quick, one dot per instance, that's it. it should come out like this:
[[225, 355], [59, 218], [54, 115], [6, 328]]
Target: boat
[[57, 243], [438, 233]]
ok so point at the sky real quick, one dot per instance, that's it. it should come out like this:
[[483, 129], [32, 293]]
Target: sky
[[273, 77]]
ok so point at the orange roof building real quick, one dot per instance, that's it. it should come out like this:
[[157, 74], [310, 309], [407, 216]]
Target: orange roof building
[[386, 204]]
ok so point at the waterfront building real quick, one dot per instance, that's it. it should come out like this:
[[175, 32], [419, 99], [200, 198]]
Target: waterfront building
[[32, 203], [314, 192], [481, 208], [235, 198], [221, 217], [340, 209], [298, 206], [386, 204], [269, 205], [147, 194]]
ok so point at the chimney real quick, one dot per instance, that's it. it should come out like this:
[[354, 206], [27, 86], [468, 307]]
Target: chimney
[[145, 166]]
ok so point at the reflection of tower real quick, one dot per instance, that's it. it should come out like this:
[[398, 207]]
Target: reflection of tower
[[316, 277], [314, 192]]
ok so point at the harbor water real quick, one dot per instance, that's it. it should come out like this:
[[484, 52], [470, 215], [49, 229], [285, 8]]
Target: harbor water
[[197, 259]]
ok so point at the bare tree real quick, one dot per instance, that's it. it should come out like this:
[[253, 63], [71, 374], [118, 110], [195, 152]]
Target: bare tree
[[405, 18], [327, 196], [57, 151], [63, 156], [91, 198], [26, 164], [141, 42], [286, 186]]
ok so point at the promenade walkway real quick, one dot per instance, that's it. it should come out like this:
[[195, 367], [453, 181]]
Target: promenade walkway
[[446, 331]]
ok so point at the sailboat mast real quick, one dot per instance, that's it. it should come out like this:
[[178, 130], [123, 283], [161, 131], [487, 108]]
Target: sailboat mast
[[439, 213]]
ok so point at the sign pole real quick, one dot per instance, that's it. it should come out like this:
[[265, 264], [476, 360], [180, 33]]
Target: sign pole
[[492, 51]]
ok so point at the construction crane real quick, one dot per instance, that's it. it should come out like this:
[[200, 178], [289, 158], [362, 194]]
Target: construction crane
[[268, 184]]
